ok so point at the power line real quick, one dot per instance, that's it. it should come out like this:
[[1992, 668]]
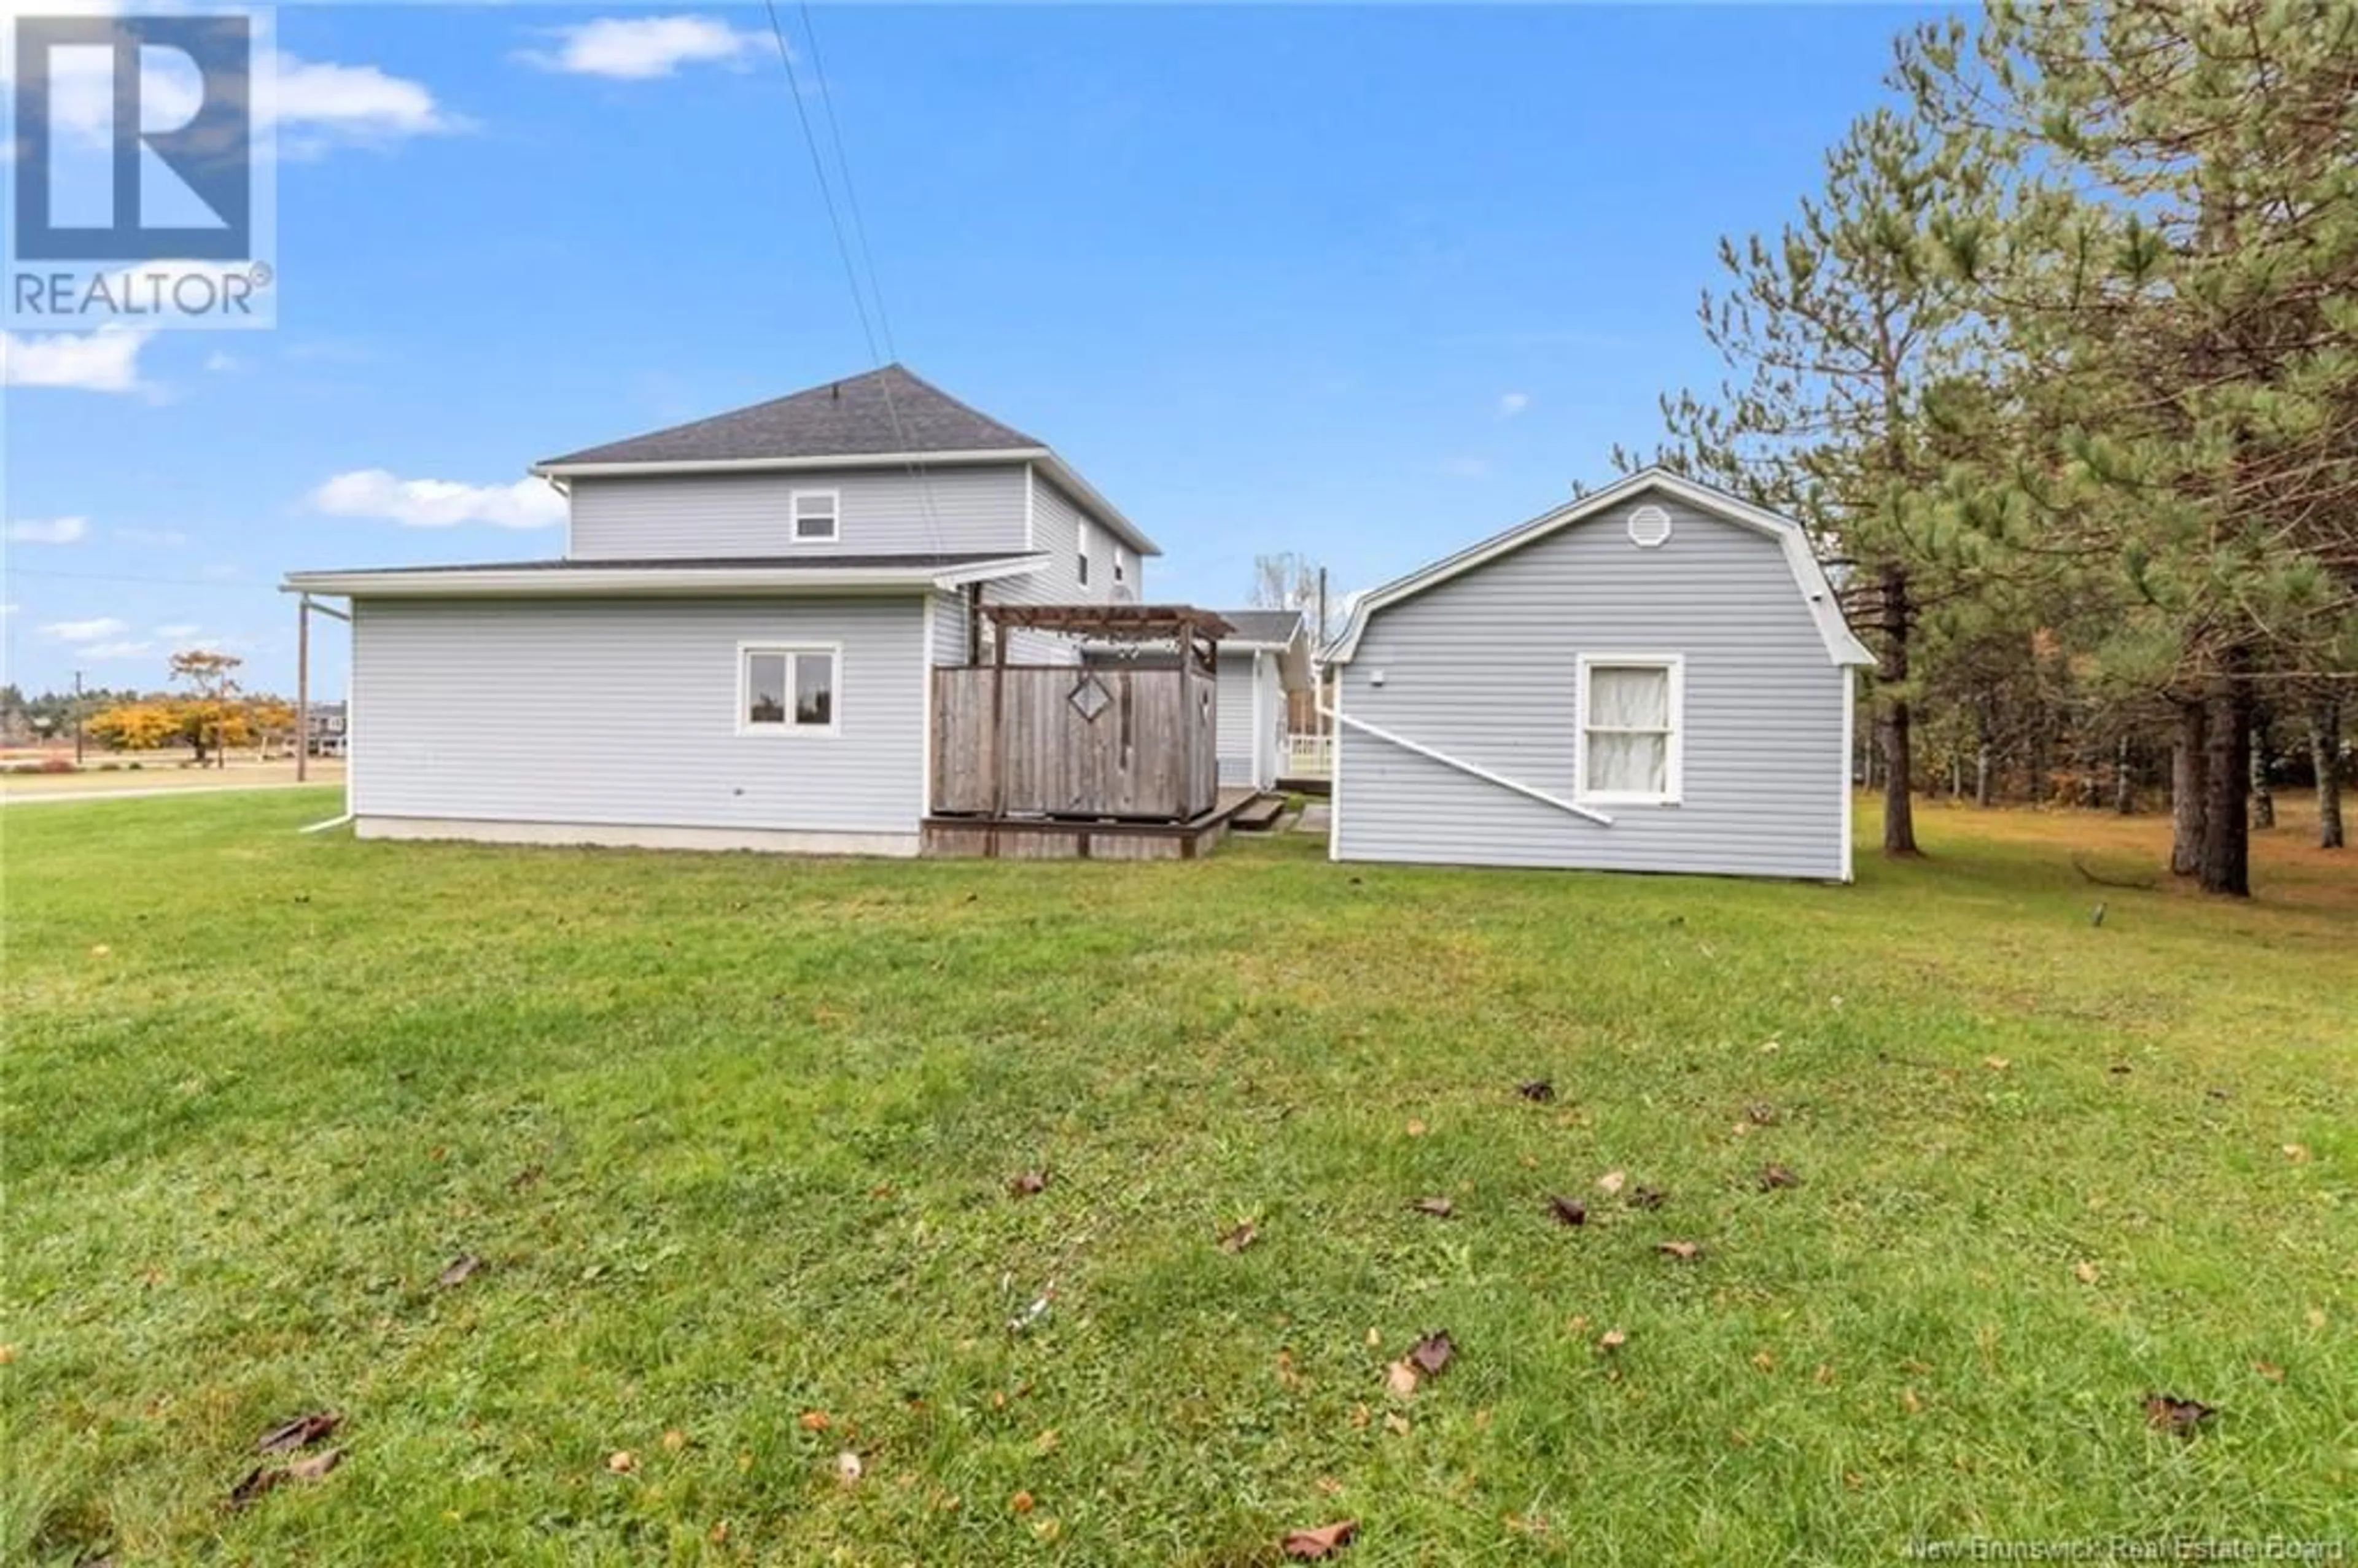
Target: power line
[[843, 249], [165, 581]]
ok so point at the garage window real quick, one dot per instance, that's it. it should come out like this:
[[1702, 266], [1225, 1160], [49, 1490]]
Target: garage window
[[1631, 726]]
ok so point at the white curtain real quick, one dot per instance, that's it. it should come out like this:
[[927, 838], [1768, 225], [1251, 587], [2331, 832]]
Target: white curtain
[[1628, 723]]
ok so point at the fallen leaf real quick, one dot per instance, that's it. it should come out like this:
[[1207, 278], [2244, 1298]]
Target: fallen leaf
[[2167, 1413], [1741, 1130], [1648, 1197], [673, 1441], [1568, 1211], [1613, 1340], [1415, 1129], [1238, 1236], [258, 1480], [1539, 1091], [1910, 1403], [1396, 1423], [1432, 1353], [1328, 1486], [1360, 1416], [7, 1353], [816, 1420], [1997, 1064], [1028, 1184], [1685, 1251], [1762, 1359], [622, 1462], [1610, 1183], [1375, 1338], [2268, 1370], [1045, 1444], [1824, 1376], [2316, 1317], [848, 1468], [1439, 1208], [312, 1467], [1400, 1379], [2296, 1152], [463, 1265], [1021, 1503], [1313, 1545], [99, 950], [1760, 1113], [1773, 1176], [302, 1430], [2087, 1273]]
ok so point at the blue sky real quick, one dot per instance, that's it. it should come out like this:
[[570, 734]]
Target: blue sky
[[1364, 283]]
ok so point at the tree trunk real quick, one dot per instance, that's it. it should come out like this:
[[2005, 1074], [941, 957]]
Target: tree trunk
[[1899, 802], [2227, 776], [2325, 757], [2124, 781], [2186, 764], [2263, 798]]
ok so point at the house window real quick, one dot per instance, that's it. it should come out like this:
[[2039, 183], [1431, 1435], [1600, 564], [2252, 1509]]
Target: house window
[[1120, 566], [1081, 557], [1631, 727], [787, 691], [816, 516]]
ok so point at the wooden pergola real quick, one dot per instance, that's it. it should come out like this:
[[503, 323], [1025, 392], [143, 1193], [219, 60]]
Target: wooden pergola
[[1195, 632]]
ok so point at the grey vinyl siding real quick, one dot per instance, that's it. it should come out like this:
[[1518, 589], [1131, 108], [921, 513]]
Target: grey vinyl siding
[[949, 629], [1236, 734], [625, 712], [1484, 667], [948, 510], [1056, 533]]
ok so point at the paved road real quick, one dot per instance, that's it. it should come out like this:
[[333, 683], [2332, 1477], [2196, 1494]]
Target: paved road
[[51, 797]]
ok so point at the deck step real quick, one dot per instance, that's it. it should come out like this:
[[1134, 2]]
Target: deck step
[[1260, 816]]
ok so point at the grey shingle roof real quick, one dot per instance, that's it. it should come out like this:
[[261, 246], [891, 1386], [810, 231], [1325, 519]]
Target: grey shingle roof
[[881, 414], [1264, 625]]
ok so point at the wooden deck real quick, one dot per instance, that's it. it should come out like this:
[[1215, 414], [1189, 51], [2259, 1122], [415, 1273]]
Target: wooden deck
[[1085, 839]]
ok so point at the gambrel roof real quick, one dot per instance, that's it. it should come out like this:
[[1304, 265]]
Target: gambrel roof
[[1809, 576]]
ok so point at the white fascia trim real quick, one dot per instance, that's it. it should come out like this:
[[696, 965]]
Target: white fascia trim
[[1463, 766], [1105, 511], [575, 582], [1817, 593]]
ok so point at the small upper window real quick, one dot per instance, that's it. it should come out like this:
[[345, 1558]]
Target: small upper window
[[816, 516], [1081, 556], [1630, 728], [787, 690], [1121, 565]]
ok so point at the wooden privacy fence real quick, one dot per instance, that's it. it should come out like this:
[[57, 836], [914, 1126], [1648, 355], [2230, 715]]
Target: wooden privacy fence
[[1011, 740]]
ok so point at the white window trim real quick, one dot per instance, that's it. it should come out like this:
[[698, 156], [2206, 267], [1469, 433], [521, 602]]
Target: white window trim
[[834, 535], [1674, 760], [789, 729]]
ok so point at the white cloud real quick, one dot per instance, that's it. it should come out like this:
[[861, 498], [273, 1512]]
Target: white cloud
[[116, 650], [313, 105], [438, 502], [105, 360], [84, 631], [157, 538], [178, 629], [1513, 403], [48, 530], [635, 48], [220, 363]]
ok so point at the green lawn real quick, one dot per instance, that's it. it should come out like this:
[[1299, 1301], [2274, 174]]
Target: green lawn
[[733, 1137]]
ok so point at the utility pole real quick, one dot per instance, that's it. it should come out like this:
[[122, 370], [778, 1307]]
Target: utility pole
[[77, 719], [302, 687]]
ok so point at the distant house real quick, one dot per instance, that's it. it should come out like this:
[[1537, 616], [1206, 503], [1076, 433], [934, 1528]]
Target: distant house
[[1654, 677], [324, 729], [1262, 666], [738, 646]]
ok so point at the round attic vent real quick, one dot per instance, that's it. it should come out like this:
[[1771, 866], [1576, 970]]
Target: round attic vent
[[1649, 527]]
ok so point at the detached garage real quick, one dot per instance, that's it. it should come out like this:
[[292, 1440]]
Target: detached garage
[[1656, 677]]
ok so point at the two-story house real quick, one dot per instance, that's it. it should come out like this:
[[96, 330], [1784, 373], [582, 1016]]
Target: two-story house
[[737, 647]]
